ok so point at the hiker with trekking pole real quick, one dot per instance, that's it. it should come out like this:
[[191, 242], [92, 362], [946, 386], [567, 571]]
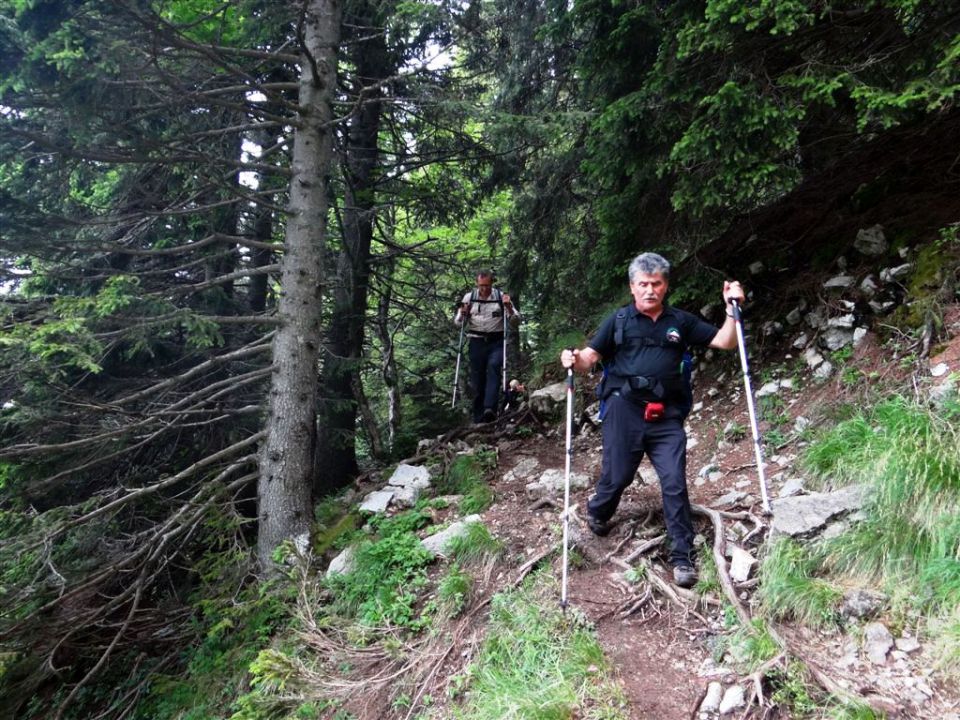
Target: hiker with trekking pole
[[486, 314], [642, 346]]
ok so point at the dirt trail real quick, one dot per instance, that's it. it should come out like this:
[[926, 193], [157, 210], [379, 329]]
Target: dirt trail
[[662, 653], [657, 651]]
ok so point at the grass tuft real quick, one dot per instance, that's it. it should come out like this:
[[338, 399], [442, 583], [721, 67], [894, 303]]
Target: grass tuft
[[476, 546], [907, 457], [791, 589], [538, 663]]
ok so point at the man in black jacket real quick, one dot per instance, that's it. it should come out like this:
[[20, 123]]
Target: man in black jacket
[[642, 346]]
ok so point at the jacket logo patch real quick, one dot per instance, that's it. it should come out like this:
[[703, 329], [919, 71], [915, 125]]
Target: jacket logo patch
[[673, 335]]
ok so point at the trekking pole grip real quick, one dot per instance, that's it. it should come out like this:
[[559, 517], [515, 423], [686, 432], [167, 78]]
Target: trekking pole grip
[[570, 372], [735, 306]]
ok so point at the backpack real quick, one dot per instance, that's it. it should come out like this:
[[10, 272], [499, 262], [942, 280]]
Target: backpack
[[686, 367], [496, 296]]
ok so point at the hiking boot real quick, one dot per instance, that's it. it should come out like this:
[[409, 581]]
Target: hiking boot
[[600, 528], [489, 415], [685, 576]]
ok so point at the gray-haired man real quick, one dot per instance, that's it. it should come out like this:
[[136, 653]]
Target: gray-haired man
[[642, 346]]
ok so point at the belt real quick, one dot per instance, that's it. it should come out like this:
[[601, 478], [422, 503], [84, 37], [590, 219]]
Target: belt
[[485, 336]]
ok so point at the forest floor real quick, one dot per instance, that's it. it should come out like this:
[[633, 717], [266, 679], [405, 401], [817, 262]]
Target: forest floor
[[662, 653]]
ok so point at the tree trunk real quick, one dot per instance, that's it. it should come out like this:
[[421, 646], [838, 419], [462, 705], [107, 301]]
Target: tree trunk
[[283, 490], [336, 439], [388, 365]]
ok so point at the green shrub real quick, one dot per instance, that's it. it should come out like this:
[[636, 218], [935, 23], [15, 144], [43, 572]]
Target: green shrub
[[388, 575]]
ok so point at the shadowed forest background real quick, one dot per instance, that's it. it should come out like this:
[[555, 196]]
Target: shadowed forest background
[[232, 235]]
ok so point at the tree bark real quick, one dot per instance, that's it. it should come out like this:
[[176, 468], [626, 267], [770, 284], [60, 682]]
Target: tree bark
[[286, 468], [336, 440]]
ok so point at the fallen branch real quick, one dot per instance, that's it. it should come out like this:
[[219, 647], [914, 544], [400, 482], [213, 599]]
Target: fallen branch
[[720, 560]]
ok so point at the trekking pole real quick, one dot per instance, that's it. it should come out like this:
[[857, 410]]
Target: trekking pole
[[504, 372], [456, 374], [757, 447], [566, 488]]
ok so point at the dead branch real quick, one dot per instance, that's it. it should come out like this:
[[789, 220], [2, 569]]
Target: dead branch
[[174, 479], [644, 547], [719, 558], [259, 345]]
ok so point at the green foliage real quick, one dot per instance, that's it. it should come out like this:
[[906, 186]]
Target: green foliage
[[709, 579], [751, 645], [475, 546], [232, 630], [945, 631], [389, 573], [792, 589], [907, 457], [537, 663], [738, 151], [734, 432], [453, 590], [793, 690], [468, 476], [477, 499]]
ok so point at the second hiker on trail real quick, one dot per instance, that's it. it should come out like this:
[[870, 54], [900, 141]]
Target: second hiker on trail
[[487, 311], [642, 346]]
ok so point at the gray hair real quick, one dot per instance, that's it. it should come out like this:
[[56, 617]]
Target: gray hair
[[649, 264]]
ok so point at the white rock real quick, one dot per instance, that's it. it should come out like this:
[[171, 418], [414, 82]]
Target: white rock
[[877, 642], [869, 286], [711, 702], [377, 501], [648, 476], [940, 369], [406, 496], [882, 308], [842, 321], [523, 469], [733, 698], [835, 338], [708, 668], [755, 268], [794, 317], [437, 543], [770, 388], [907, 644], [793, 486], [858, 335], [410, 476], [815, 319], [813, 358], [707, 469], [839, 282], [801, 342], [890, 275], [823, 371], [871, 241], [740, 563], [342, 563]]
